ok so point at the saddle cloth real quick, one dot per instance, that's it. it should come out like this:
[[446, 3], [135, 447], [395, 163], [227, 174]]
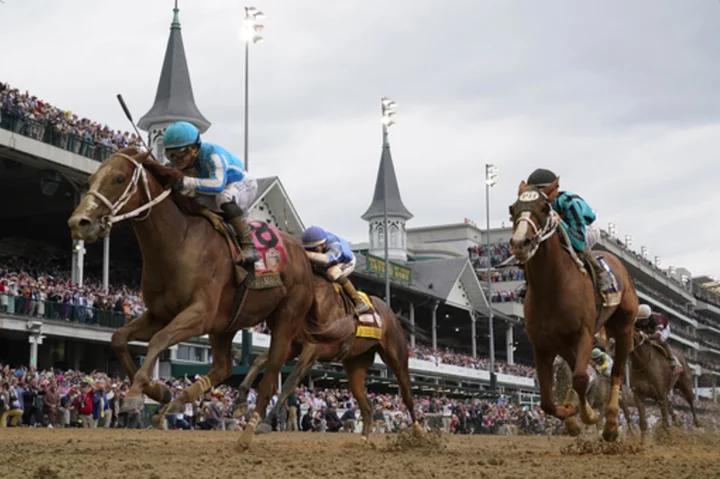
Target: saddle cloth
[[369, 325], [269, 245], [613, 296]]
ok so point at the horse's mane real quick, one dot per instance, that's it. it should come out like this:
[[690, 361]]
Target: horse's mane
[[164, 175]]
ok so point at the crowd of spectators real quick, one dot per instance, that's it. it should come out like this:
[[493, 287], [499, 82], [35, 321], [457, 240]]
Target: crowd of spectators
[[454, 358], [497, 253], [504, 296], [503, 275], [28, 115], [53, 398], [43, 289]]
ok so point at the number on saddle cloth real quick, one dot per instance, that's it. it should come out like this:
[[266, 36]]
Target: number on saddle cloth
[[270, 247]]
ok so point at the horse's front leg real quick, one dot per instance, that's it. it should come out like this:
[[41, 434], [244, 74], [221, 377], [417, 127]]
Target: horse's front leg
[[581, 379], [623, 344], [188, 324], [544, 368]]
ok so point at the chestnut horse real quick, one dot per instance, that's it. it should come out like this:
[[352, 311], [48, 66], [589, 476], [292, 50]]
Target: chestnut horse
[[188, 283], [652, 376], [561, 311], [357, 358]]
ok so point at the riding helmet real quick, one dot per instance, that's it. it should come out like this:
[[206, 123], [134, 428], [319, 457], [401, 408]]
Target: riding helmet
[[314, 237], [180, 134], [541, 178]]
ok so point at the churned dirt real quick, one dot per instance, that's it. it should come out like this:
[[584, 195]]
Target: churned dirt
[[107, 453]]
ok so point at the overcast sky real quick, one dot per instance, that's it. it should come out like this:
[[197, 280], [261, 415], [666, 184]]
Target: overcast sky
[[619, 98]]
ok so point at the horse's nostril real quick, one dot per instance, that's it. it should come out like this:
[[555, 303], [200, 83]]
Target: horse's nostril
[[527, 242], [84, 222]]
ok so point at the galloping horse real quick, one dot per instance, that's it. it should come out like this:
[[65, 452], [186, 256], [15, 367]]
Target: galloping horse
[[598, 395], [561, 309], [357, 357], [652, 376], [188, 283]]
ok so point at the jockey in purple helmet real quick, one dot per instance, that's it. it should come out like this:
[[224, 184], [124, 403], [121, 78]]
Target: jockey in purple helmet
[[334, 254], [215, 177]]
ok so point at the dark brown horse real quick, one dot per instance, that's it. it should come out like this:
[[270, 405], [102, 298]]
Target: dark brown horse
[[652, 376], [357, 357], [188, 283], [561, 313]]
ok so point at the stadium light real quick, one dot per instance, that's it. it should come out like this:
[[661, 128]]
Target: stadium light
[[644, 252], [612, 229], [658, 261], [250, 32], [628, 241], [672, 270], [491, 174]]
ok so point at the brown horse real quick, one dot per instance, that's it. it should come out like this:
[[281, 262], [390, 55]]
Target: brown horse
[[188, 283], [357, 357], [652, 376], [598, 395], [561, 310]]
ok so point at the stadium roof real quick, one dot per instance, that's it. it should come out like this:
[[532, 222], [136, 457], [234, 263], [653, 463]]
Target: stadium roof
[[395, 206], [174, 100]]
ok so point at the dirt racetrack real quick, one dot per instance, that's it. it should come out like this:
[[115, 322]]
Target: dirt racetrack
[[108, 453]]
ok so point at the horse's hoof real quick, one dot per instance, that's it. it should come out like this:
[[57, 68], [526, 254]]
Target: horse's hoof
[[263, 428], [417, 430], [572, 427], [240, 447], [132, 403], [158, 421], [610, 436]]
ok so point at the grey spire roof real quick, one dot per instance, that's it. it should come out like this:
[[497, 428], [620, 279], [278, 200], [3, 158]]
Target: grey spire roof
[[395, 206], [174, 100]]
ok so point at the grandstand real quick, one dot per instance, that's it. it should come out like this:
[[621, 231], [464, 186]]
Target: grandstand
[[437, 272]]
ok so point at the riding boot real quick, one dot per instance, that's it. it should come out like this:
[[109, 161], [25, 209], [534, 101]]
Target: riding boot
[[677, 367], [360, 305], [603, 277], [234, 215]]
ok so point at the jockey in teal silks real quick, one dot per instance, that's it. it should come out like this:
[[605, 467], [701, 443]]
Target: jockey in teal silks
[[334, 255], [576, 219], [215, 177]]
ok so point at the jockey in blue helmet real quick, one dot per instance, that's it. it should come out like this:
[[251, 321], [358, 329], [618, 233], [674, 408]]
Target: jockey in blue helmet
[[576, 218], [215, 177], [333, 253]]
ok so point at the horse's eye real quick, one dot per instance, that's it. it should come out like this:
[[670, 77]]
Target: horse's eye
[[545, 208], [119, 179]]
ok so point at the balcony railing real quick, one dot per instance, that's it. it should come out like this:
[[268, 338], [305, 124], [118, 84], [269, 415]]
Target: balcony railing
[[53, 310]]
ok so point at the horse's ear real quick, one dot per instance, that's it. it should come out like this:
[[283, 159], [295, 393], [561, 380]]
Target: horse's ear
[[522, 187], [551, 190], [144, 156]]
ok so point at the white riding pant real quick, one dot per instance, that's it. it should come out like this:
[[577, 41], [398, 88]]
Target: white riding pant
[[242, 193], [592, 235], [341, 270], [665, 334]]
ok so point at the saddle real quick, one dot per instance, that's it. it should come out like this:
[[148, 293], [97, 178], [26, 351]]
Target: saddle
[[262, 275], [612, 297], [369, 325]]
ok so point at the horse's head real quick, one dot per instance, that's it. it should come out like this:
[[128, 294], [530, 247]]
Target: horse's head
[[119, 189], [533, 219]]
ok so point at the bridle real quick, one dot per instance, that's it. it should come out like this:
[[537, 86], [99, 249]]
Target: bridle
[[139, 173], [526, 204]]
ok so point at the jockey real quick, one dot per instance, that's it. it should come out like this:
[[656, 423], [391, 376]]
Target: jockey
[[576, 218], [334, 254], [657, 328], [603, 362], [215, 177]]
